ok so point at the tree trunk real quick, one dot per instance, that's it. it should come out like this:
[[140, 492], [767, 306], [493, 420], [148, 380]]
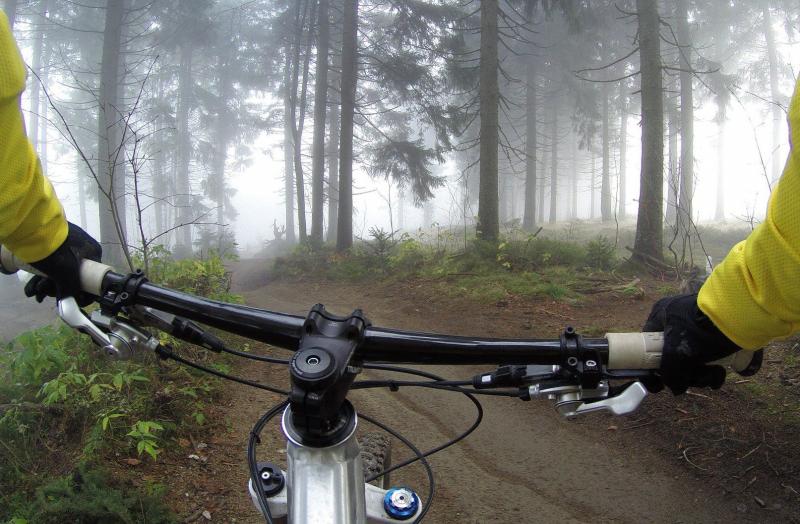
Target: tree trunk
[[427, 214], [504, 200], [297, 127], [320, 109], [344, 234], [10, 8], [673, 174], [47, 51], [593, 186], [649, 222], [719, 213], [401, 202], [83, 174], [573, 179], [529, 215], [512, 197], [687, 126], [111, 181], [171, 215], [159, 185], [159, 182], [488, 218], [221, 145], [541, 192], [183, 245], [334, 100], [554, 165], [36, 67], [623, 152], [774, 82], [605, 183], [288, 148], [333, 169]]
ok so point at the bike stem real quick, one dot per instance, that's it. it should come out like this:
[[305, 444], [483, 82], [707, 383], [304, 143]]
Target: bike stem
[[321, 374]]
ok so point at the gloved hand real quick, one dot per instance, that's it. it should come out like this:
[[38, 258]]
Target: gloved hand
[[62, 268], [691, 340]]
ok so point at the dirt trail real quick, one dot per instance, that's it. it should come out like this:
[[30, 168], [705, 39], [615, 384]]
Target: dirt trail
[[524, 464], [19, 313]]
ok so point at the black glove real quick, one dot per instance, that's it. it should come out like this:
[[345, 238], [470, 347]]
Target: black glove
[[691, 340], [62, 268]]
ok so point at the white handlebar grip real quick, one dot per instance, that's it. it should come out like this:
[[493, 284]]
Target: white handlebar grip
[[643, 351], [92, 273], [634, 350]]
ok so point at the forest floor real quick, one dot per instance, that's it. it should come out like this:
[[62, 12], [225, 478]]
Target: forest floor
[[721, 456]]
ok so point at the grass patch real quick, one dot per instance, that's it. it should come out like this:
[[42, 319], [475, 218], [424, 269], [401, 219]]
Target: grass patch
[[775, 390], [89, 494], [65, 409], [526, 266]]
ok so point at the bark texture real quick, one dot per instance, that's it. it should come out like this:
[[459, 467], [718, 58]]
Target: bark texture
[[111, 179], [488, 212], [649, 223], [320, 110], [344, 234]]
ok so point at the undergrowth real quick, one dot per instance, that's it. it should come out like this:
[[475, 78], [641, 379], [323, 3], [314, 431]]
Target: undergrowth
[[65, 410], [484, 271]]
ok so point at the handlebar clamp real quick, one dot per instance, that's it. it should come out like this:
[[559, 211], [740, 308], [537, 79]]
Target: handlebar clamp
[[585, 362], [122, 293]]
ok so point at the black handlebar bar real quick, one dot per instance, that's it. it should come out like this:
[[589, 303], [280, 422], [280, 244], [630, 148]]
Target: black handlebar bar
[[378, 345]]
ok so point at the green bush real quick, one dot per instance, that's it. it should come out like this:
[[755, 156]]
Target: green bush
[[301, 262], [91, 496], [408, 257], [62, 401], [536, 253], [600, 253], [206, 277]]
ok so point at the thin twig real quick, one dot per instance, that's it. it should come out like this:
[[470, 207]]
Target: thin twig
[[690, 462], [692, 393], [749, 453]]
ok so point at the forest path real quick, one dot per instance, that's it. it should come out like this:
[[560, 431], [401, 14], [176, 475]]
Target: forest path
[[19, 313], [523, 464]]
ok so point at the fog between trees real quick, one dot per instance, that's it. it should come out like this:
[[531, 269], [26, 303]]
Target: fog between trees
[[160, 120]]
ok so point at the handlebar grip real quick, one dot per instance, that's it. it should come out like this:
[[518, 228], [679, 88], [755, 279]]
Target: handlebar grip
[[643, 351], [634, 350], [92, 273]]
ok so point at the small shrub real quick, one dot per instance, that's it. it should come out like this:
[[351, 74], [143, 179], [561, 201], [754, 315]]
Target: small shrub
[[408, 256], [92, 496], [554, 291], [600, 253], [205, 277], [535, 253]]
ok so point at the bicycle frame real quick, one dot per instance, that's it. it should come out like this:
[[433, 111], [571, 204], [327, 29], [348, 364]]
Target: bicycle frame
[[326, 485]]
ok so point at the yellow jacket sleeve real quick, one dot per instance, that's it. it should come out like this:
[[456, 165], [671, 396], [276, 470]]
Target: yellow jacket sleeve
[[753, 296], [32, 222]]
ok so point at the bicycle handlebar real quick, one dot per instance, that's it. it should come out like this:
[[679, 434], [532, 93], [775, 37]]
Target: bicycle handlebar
[[629, 351]]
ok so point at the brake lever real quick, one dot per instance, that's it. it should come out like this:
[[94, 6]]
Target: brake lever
[[72, 315], [623, 403], [126, 338], [571, 400]]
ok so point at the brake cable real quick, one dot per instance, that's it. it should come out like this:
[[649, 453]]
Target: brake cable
[[171, 355]]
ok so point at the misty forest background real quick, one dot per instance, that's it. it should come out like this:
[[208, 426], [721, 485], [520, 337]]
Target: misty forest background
[[521, 113]]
